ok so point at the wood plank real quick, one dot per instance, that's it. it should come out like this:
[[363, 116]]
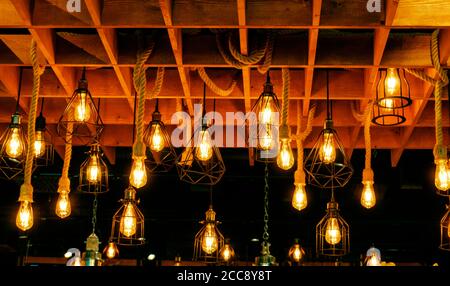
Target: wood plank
[[316, 11], [45, 39], [94, 9], [426, 13], [131, 13], [23, 8], [349, 12], [110, 153], [278, 12], [208, 13]]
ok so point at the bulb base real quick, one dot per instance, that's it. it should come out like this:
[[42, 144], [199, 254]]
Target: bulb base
[[328, 124], [332, 206], [284, 132], [40, 123], [367, 175], [130, 194], [156, 116], [15, 120], [440, 153]]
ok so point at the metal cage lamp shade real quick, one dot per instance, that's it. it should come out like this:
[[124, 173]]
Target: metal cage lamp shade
[[392, 97], [94, 173], [264, 124], [332, 233], [43, 148], [128, 221], [326, 165], [445, 231], [161, 155], [82, 113], [209, 240], [201, 162]]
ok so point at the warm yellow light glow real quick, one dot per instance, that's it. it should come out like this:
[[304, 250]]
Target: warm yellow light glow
[[392, 82], [441, 179], [111, 250], [14, 144], [368, 198], [24, 219], [210, 241], [285, 158], [327, 152], [94, 170], [448, 228], [138, 175], [387, 103], [204, 150], [39, 144], [265, 138], [266, 115], [128, 221], [157, 140], [373, 261], [82, 111], [333, 233], [299, 199], [63, 208]]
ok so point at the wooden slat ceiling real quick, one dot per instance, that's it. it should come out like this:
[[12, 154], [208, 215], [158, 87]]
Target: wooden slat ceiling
[[316, 36]]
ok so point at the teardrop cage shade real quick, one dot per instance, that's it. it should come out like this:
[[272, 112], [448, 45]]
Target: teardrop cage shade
[[445, 231], [46, 137], [94, 173], [194, 171], [84, 131], [263, 124], [209, 226], [339, 242], [332, 175], [128, 229], [164, 159]]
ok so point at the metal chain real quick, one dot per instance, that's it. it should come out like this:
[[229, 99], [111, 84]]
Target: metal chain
[[94, 214], [266, 204]]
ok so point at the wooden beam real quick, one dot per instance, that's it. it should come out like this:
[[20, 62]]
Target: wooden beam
[[110, 153], [9, 77], [23, 8]]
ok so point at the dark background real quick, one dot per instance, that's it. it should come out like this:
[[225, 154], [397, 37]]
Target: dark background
[[404, 224]]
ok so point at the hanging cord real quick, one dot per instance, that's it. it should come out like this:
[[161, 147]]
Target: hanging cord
[[19, 89], [64, 181], [26, 190], [217, 90], [266, 204], [329, 110], [286, 85], [439, 151], [94, 213], [367, 172]]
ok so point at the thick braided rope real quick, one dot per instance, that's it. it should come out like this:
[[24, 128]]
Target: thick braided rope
[[226, 57], [299, 139], [26, 190], [64, 181], [158, 83], [269, 52], [286, 85], [140, 82], [217, 90], [367, 139], [254, 57]]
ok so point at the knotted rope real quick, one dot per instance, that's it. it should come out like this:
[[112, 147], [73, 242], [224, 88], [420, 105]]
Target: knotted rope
[[217, 90], [367, 172]]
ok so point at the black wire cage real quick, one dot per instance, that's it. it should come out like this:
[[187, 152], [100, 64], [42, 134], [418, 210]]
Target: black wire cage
[[94, 172], [44, 152], [81, 118], [208, 240], [445, 231], [161, 155], [392, 97]]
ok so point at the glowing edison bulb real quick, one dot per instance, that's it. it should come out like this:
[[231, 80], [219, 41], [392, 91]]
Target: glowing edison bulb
[[82, 111], [210, 242], [63, 208], [392, 82], [128, 221], [266, 115], [14, 145], [333, 233], [327, 152], [387, 103], [441, 179], [265, 139], [226, 253], [39, 144], [157, 140], [111, 250], [138, 175], [299, 199], [285, 159], [368, 198], [204, 150], [24, 219], [93, 170], [373, 261]]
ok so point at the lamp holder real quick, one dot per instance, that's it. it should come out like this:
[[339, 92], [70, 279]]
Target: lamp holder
[[367, 175], [15, 120], [328, 124], [130, 194], [299, 176], [284, 132], [332, 206], [440, 152], [40, 123]]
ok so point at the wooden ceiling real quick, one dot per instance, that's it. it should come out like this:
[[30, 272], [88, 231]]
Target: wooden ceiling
[[313, 36]]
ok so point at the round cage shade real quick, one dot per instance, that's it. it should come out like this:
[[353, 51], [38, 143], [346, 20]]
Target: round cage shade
[[445, 231], [161, 155], [388, 116], [94, 173], [393, 89], [201, 162], [264, 125], [209, 240], [326, 165], [332, 233], [82, 113], [128, 222]]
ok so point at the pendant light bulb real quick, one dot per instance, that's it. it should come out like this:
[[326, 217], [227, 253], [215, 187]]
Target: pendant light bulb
[[441, 178], [204, 150], [333, 234], [14, 144], [299, 199], [93, 171], [24, 219], [368, 197], [128, 221], [82, 110], [391, 85], [39, 144], [210, 241], [111, 250], [138, 175], [157, 140], [285, 158], [327, 152], [63, 207]]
